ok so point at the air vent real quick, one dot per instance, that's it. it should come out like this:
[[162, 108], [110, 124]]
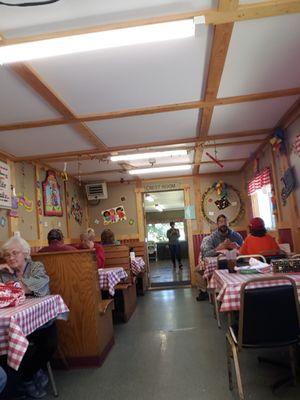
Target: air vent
[[96, 191]]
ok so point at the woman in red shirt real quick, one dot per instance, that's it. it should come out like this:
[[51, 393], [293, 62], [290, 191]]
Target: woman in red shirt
[[87, 243], [258, 241]]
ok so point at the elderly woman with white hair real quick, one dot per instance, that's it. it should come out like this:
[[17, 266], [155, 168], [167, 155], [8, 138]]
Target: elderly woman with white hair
[[34, 280]]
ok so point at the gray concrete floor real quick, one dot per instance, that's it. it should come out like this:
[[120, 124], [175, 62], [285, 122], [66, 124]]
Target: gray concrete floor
[[163, 271], [170, 349]]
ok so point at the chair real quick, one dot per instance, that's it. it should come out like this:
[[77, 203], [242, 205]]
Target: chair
[[51, 378], [264, 322], [152, 251]]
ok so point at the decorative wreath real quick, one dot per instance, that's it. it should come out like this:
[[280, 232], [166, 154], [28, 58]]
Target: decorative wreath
[[222, 198]]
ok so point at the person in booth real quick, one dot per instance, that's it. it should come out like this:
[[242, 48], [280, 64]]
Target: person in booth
[[223, 238], [33, 278], [258, 241], [108, 237], [87, 243], [56, 242]]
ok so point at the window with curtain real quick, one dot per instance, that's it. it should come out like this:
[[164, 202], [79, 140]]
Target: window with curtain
[[260, 191]]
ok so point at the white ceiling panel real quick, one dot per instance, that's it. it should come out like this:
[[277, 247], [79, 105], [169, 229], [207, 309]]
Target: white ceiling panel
[[85, 166], [213, 168], [173, 160], [165, 174], [147, 128], [129, 77], [47, 140], [230, 152], [18, 102], [240, 117], [70, 14], [263, 55]]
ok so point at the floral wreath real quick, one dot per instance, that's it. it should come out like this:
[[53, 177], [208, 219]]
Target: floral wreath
[[218, 186]]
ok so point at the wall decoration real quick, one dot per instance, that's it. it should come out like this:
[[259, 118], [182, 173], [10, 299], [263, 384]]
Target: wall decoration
[[96, 221], [131, 221], [277, 141], [2, 222], [113, 215], [5, 186], [189, 212], [14, 207], [25, 202], [289, 184], [51, 196], [222, 198], [296, 145], [76, 210]]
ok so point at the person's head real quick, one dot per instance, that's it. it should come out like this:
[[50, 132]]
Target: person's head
[[91, 234], [55, 235], [222, 224], [16, 251], [107, 237], [86, 242], [172, 224], [257, 227]]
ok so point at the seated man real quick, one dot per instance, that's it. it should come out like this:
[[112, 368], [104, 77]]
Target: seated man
[[56, 242], [222, 239]]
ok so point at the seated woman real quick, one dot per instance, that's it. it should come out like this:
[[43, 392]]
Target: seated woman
[[33, 278], [87, 243], [258, 241], [108, 237]]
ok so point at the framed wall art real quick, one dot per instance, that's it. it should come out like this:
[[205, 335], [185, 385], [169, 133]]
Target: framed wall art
[[51, 196]]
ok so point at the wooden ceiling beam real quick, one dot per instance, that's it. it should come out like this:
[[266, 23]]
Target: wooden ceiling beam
[[212, 16], [292, 114], [220, 44], [30, 76], [151, 110]]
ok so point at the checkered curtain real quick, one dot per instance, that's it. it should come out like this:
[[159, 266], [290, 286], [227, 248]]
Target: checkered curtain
[[260, 180]]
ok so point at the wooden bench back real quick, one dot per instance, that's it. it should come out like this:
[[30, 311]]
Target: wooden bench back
[[117, 256], [74, 276]]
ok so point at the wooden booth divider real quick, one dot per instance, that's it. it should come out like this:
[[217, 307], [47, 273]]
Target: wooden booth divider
[[86, 338], [140, 250], [125, 293]]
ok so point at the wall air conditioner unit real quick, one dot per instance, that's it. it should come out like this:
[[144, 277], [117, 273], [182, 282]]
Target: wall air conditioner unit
[[96, 191]]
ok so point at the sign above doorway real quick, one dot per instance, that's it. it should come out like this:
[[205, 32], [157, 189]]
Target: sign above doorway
[[157, 187]]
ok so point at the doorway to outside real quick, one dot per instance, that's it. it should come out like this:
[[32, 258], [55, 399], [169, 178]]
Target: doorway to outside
[[161, 208]]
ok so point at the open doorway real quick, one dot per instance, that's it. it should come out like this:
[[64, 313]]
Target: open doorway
[[161, 208]]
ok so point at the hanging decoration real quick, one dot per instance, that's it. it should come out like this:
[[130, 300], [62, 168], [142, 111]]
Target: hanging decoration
[[222, 196], [289, 184], [51, 196], [76, 210], [131, 221], [296, 145], [14, 207], [25, 202], [277, 141], [64, 174], [2, 222], [113, 215], [215, 157]]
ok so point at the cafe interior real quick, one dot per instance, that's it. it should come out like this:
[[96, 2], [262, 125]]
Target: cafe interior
[[123, 118]]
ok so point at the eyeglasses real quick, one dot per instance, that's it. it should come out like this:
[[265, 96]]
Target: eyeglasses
[[13, 254]]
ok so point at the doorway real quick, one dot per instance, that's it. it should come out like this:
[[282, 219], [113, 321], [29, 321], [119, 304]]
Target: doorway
[[160, 209]]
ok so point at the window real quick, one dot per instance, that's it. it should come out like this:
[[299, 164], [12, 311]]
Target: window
[[158, 232], [262, 205]]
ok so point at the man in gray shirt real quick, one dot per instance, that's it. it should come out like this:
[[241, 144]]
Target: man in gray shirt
[[173, 235], [223, 238]]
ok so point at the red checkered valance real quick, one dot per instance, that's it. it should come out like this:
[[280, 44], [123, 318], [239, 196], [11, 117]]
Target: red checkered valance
[[261, 179]]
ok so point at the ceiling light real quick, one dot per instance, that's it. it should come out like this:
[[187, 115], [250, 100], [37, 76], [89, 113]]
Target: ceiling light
[[176, 168], [149, 198], [97, 40], [145, 156], [159, 207]]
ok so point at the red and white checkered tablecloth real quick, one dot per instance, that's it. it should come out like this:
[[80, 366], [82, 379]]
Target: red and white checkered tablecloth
[[18, 322], [110, 277], [210, 264], [229, 286], [137, 265]]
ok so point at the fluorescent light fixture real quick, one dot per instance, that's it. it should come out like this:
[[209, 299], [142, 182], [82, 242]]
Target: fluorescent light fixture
[[143, 156], [149, 198], [176, 168], [97, 40], [159, 207]]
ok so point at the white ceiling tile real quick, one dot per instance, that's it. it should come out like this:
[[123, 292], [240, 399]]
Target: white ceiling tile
[[129, 77], [27, 142], [85, 166], [212, 168], [263, 55], [112, 177], [165, 174], [172, 160], [18, 102], [240, 117], [230, 152], [66, 15], [147, 128]]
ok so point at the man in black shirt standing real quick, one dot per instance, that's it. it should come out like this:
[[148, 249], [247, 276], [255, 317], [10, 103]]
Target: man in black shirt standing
[[173, 235]]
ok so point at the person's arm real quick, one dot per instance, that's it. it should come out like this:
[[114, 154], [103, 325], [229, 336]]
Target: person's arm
[[178, 233], [208, 248], [38, 281], [168, 233]]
